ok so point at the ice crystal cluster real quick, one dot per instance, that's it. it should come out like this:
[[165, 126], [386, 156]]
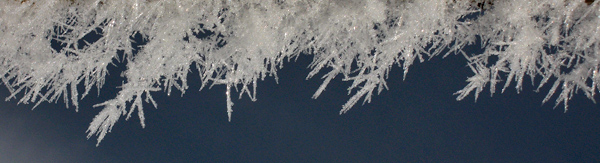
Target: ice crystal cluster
[[237, 43]]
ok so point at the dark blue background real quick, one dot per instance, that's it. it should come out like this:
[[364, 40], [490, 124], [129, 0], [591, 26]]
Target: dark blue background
[[417, 120]]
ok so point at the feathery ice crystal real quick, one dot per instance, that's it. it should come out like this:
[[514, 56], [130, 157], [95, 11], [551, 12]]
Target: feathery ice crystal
[[49, 47]]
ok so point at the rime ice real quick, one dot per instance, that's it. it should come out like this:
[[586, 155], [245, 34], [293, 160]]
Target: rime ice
[[238, 43]]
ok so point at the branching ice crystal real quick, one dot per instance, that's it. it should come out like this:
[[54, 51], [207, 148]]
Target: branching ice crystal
[[49, 47]]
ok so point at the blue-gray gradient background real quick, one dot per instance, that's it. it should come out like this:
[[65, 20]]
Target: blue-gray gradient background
[[417, 120]]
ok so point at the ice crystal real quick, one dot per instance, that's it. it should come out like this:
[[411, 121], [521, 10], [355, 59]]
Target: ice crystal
[[237, 43]]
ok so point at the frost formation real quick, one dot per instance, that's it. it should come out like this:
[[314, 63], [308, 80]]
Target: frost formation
[[236, 43]]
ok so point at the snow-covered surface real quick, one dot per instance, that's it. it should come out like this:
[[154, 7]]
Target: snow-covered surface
[[237, 43]]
